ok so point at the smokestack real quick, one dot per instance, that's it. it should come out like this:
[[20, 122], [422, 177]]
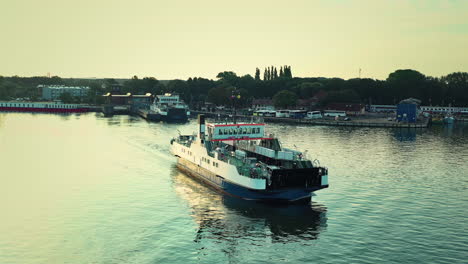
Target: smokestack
[[201, 129]]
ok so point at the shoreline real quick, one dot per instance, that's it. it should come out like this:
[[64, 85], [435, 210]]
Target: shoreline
[[381, 122]]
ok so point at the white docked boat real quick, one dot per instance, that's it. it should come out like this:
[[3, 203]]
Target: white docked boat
[[169, 107], [239, 160], [449, 119]]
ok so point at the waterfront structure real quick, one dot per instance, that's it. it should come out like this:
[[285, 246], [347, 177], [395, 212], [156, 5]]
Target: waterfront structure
[[408, 110], [45, 107], [239, 159], [53, 92], [136, 101]]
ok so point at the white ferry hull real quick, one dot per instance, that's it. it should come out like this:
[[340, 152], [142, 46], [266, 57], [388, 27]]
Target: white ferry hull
[[292, 195]]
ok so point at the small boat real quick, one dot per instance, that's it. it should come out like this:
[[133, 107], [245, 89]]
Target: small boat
[[241, 160], [449, 119]]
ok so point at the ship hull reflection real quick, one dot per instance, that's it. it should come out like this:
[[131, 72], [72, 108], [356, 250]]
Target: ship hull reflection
[[226, 218]]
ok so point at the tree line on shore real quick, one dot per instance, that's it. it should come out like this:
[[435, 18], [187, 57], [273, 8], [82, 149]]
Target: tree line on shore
[[281, 86]]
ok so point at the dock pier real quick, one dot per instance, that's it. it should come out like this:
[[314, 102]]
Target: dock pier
[[354, 122]]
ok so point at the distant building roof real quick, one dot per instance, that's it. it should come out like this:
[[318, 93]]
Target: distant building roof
[[128, 95], [411, 100], [60, 87]]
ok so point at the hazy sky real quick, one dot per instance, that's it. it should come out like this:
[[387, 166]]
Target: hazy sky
[[180, 39]]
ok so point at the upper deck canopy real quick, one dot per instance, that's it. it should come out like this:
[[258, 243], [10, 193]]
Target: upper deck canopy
[[246, 131]]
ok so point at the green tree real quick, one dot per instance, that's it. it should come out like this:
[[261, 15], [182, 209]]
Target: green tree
[[406, 83], [180, 87], [257, 74], [246, 82], [228, 77], [285, 99], [342, 96], [218, 95], [457, 88], [66, 98], [308, 89], [287, 71]]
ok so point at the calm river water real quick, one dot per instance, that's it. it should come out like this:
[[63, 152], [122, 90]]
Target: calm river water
[[89, 189]]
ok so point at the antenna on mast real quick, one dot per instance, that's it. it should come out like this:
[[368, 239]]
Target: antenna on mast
[[235, 96]]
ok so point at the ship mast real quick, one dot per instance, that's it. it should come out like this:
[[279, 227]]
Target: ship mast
[[235, 96]]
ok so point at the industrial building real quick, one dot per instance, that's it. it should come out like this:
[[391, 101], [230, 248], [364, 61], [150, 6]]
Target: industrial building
[[408, 110]]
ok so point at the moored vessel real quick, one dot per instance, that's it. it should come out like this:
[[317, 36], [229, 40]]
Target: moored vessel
[[43, 107], [169, 107], [449, 119], [237, 158]]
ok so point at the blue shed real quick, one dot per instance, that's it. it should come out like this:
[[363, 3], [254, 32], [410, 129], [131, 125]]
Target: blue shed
[[407, 112]]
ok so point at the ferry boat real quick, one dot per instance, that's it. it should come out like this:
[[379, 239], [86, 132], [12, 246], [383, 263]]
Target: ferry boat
[[169, 107], [44, 107], [239, 160]]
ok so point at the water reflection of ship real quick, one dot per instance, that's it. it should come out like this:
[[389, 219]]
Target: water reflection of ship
[[404, 135], [225, 218]]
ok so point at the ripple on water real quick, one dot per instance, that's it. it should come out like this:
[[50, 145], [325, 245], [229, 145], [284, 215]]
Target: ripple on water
[[105, 190]]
